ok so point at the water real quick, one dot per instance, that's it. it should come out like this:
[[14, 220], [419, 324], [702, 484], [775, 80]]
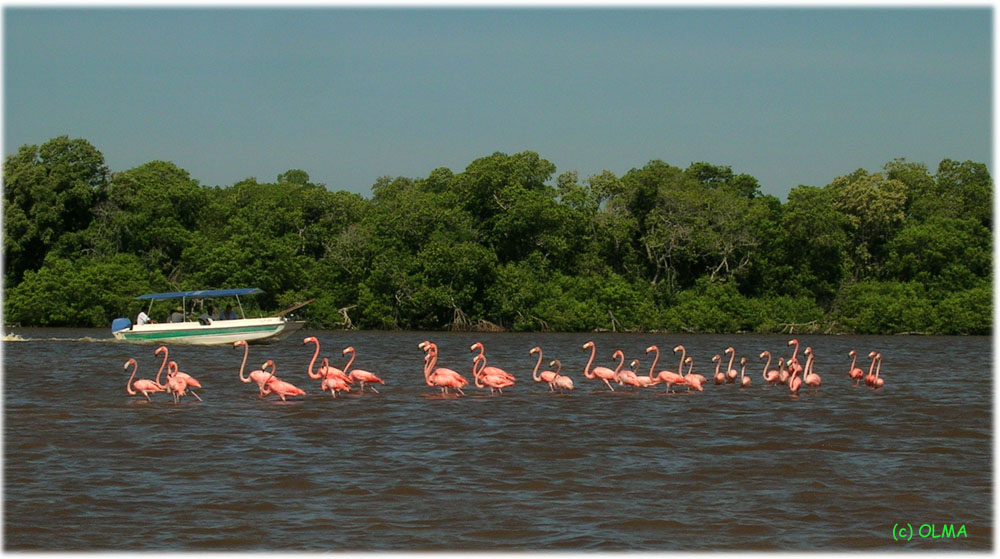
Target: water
[[88, 467]]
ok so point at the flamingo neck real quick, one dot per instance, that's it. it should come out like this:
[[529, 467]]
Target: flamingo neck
[[128, 384], [534, 374], [586, 370], [350, 361], [680, 366], [315, 355], [768, 365], [475, 372], [879, 367], [246, 353], [162, 365], [656, 357], [718, 366], [619, 367], [732, 356], [853, 361]]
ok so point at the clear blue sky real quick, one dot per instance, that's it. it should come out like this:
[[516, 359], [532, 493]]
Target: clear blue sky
[[790, 96]]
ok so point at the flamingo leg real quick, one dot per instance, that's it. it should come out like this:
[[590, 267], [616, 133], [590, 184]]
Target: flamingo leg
[[195, 394], [609, 385], [373, 389]]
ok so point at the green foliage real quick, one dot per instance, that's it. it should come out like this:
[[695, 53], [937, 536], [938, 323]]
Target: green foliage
[[498, 244]]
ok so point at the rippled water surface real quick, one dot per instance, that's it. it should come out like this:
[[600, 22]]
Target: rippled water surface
[[87, 467]]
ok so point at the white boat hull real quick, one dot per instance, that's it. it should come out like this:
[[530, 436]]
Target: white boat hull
[[253, 330]]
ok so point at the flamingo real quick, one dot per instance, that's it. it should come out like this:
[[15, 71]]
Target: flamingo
[[794, 383], [278, 386], [720, 377], [142, 385], [793, 363], [626, 376], [176, 385], [870, 377], [189, 381], [669, 378], [484, 379], [490, 370], [692, 380], [744, 380], [544, 376], [326, 370], [440, 377], [560, 381], [770, 376], [334, 382], [258, 376], [731, 373], [633, 378], [603, 373], [360, 375], [811, 378], [854, 372], [879, 382]]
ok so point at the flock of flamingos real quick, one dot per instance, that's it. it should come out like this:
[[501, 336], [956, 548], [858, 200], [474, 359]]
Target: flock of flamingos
[[333, 380]]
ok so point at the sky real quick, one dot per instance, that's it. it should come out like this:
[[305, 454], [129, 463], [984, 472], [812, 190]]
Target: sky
[[790, 95]]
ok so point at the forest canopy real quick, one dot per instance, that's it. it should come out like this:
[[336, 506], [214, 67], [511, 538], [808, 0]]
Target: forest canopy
[[507, 243]]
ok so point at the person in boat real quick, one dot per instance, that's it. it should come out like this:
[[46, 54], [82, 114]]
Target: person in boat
[[143, 318], [206, 317], [177, 315], [227, 314]]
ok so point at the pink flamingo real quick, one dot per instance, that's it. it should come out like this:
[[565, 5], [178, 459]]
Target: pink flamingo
[[870, 377], [274, 384], [634, 378], [731, 373], [770, 376], [495, 371], [560, 381], [258, 376], [142, 385], [544, 376], [692, 380], [360, 375], [484, 379], [669, 378], [189, 381], [626, 376], [603, 373], [744, 380], [793, 363], [332, 382], [440, 376], [326, 370], [855, 372], [879, 382], [720, 377], [177, 385], [794, 383], [811, 379]]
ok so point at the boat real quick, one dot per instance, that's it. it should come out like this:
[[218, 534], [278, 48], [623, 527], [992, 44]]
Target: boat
[[205, 330]]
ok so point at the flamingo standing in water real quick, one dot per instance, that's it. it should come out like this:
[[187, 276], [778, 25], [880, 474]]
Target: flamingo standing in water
[[855, 372], [633, 378], [278, 386], [326, 370], [870, 377], [360, 375], [744, 380], [544, 376], [490, 370], [770, 375], [494, 382], [879, 382], [333, 383], [811, 378], [794, 383], [731, 373], [440, 376], [603, 373], [560, 381], [626, 376], [258, 376], [177, 385], [720, 377], [142, 385], [793, 363], [669, 378], [692, 380], [189, 382]]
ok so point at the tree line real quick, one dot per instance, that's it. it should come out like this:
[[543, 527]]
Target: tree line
[[508, 244]]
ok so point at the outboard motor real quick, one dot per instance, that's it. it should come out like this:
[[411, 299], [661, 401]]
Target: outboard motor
[[120, 324]]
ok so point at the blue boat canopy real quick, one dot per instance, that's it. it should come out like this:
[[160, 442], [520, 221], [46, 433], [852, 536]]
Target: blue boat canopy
[[203, 293]]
